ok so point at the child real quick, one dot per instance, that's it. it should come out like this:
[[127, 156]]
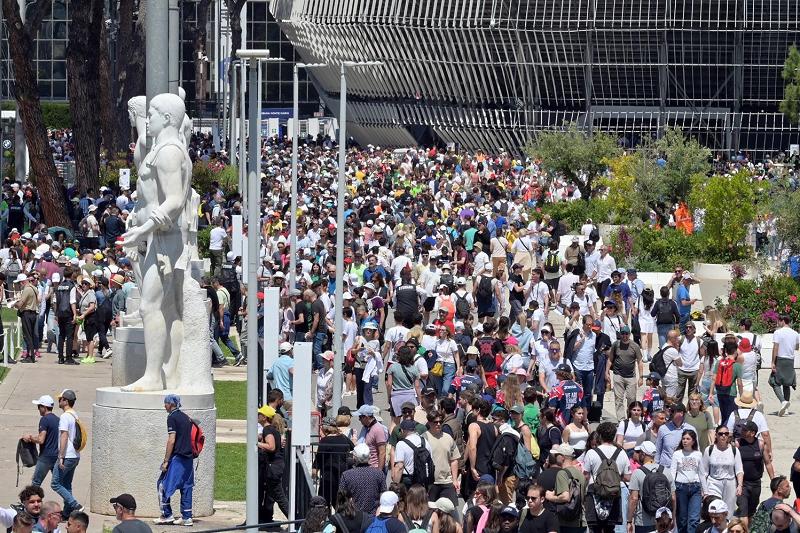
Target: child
[[653, 399]]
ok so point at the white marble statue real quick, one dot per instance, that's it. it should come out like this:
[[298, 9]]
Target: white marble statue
[[156, 241]]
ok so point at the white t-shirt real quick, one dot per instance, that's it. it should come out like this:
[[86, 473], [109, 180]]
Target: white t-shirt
[[538, 293], [786, 340], [393, 336], [216, 238], [66, 422], [670, 355], [592, 460], [690, 354], [632, 432], [446, 350], [404, 454], [759, 419], [605, 265]]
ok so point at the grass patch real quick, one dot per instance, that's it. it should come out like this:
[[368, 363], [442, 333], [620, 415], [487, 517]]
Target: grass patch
[[3, 372], [9, 316], [231, 399], [230, 472]]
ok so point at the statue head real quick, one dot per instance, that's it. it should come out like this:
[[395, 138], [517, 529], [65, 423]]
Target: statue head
[[137, 108], [182, 93], [166, 110]]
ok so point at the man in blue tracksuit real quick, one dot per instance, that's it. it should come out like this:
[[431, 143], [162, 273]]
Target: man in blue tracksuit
[[176, 470]]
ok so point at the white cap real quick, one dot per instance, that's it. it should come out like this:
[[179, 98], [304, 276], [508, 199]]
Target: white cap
[[21, 277], [278, 274], [388, 502], [45, 400], [56, 277], [231, 256], [718, 507], [648, 448], [347, 296], [285, 347], [361, 452]]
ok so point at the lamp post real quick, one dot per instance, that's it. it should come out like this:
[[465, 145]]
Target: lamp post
[[253, 218], [295, 135], [338, 345]]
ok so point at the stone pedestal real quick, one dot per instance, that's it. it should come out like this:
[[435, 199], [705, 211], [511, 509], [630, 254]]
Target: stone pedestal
[[129, 434], [129, 355]]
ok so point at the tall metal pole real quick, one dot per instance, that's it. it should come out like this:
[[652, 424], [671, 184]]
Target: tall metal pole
[[157, 49], [242, 135], [295, 133], [234, 132], [174, 46], [253, 244], [340, 189]]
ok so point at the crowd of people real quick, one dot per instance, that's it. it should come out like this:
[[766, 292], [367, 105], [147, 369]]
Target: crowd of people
[[478, 350]]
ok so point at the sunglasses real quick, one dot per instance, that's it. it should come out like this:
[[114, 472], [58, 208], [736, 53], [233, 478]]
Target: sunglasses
[[726, 434], [555, 350], [532, 498]]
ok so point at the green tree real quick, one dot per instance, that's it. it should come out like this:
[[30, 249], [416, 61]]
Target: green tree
[[730, 205], [620, 185], [787, 209], [578, 156], [790, 105], [667, 167]]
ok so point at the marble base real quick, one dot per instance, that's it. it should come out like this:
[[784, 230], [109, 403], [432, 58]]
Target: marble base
[[129, 434], [130, 358]]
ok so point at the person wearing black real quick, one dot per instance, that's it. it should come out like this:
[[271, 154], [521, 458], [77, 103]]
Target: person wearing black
[[114, 227], [753, 461], [47, 439], [665, 311], [482, 436], [270, 467], [347, 517], [516, 297], [535, 518], [331, 459], [177, 472], [302, 315], [65, 311], [547, 477]]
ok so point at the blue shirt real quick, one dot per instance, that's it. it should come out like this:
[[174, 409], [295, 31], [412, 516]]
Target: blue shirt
[[49, 424], [669, 436], [281, 377], [562, 397], [683, 294]]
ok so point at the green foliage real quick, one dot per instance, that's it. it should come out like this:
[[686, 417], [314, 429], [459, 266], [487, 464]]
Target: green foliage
[[790, 105], [574, 214], [230, 468], [787, 208], [203, 174], [685, 161], [762, 301], [620, 185], [730, 205], [56, 115], [659, 250], [109, 174], [203, 239], [571, 152], [8, 105]]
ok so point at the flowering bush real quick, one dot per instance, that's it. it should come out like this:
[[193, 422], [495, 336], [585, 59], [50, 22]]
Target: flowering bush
[[762, 301]]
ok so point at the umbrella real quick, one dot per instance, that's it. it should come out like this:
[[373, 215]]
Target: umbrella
[[55, 230]]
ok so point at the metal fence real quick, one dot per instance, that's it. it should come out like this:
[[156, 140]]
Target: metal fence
[[11, 341]]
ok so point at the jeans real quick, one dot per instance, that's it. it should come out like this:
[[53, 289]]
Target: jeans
[[61, 483], [449, 373], [688, 503], [39, 334], [223, 334], [585, 379], [726, 405], [43, 466], [65, 334], [320, 338], [179, 476], [662, 330]]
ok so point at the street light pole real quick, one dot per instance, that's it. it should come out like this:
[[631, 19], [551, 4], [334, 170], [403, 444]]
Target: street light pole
[[253, 244], [295, 140], [338, 344]]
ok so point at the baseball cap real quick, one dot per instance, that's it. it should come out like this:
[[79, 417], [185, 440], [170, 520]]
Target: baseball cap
[[20, 278], [509, 510], [655, 376], [487, 478], [428, 390], [361, 452], [473, 350], [388, 502], [125, 500], [408, 425], [575, 238], [597, 326], [267, 410], [718, 507], [625, 329], [365, 410], [407, 405], [563, 449], [443, 504], [328, 356], [45, 400], [68, 394], [661, 511], [285, 347], [648, 448], [563, 367], [517, 409]]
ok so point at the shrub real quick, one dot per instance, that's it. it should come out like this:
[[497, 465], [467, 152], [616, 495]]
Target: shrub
[[203, 239], [109, 174], [573, 214], [762, 301], [56, 115], [203, 174]]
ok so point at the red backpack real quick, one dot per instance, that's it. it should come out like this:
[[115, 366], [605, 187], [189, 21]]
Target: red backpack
[[198, 439], [724, 372]]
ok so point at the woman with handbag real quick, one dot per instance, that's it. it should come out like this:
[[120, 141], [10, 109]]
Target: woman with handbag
[[446, 356], [401, 378]]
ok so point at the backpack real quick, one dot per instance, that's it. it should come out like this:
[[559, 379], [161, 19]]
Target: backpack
[[423, 463], [12, 271], [761, 520], [580, 264], [83, 225], [81, 437], [757, 351], [449, 280], [551, 264], [27, 456], [739, 422], [63, 307], [378, 525], [574, 507], [724, 377], [594, 235], [504, 451], [484, 287], [657, 364], [483, 519], [664, 314], [656, 490], [198, 439], [525, 467], [462, 307], [607, 480]]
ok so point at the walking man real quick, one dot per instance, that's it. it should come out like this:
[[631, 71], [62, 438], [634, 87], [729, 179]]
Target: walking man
[[624, 358], [47, 439], [68, 456], [785, 341], [177, 472]]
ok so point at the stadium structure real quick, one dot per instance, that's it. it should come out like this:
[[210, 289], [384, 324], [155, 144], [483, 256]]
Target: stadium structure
[[491, 73]]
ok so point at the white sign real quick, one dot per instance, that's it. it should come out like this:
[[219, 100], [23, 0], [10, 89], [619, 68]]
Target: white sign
[[302, 392], [6, 144], [124, 178], [794, 149]]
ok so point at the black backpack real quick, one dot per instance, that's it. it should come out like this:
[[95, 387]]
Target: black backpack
[[27, 456], [573, 508], [664, 315], [484, 287], [447, 279], [504, 451], [738, 426], [551, 263], [580, 264], [657, 364], [656, 490], [594, 235], [462, 307], [423, 463]]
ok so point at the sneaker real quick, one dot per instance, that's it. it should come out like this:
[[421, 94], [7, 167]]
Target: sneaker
[[27, 360], [161, 521], [88, 360], [79, 508], [38, 355], [184, 522], [71, 361], [60, 361], [783, 409]]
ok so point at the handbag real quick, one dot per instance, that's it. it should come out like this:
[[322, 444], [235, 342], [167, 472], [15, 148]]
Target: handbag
[[437, 370]]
